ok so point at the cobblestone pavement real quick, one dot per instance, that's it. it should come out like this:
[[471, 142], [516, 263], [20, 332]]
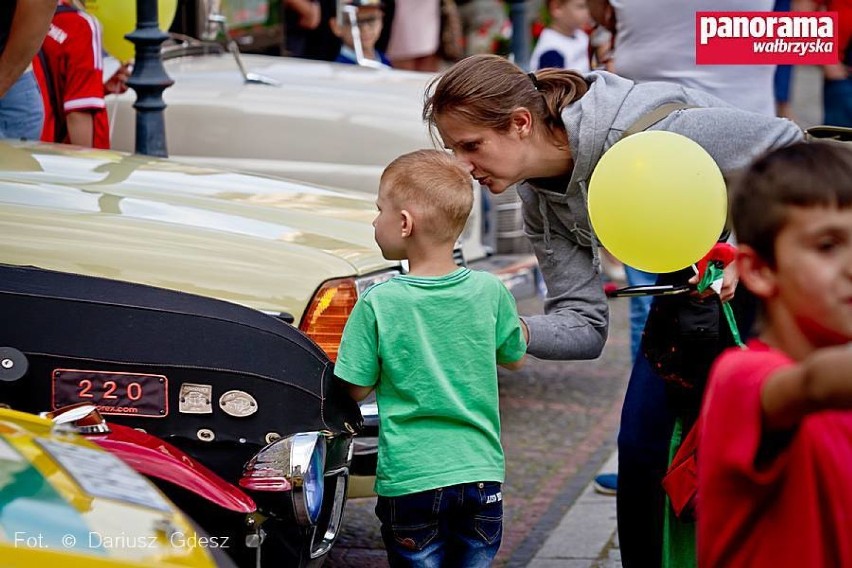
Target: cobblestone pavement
[[559, 425]]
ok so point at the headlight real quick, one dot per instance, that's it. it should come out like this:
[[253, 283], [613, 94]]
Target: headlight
[[330, 307], [295, 463]]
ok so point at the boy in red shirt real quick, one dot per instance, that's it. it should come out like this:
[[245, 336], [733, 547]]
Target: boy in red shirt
[[775, 452], [69, 69]]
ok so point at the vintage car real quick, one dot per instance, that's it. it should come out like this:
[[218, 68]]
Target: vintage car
[[333, 124], [66, 502]]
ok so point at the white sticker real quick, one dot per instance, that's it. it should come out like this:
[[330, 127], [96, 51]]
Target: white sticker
[[101, 474], [8, 453]]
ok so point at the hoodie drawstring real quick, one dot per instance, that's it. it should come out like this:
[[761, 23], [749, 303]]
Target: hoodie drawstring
[[588, 234], [542, 210], [583, 236]]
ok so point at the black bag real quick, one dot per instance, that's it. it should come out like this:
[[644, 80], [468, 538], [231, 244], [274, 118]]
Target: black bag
[[685, 333]]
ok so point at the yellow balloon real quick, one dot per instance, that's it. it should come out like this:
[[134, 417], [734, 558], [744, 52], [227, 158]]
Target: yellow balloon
[[118, 18], [657, 201]]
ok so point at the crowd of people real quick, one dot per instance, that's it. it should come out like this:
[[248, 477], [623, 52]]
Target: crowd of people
[[772, 427]]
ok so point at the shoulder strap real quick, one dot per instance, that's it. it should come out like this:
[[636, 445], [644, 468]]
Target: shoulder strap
[[651, 118], [824, 132]]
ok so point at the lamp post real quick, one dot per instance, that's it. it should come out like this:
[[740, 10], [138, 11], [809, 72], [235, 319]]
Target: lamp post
[[149, 80]]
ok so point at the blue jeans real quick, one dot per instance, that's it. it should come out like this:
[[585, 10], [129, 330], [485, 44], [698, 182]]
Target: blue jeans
[[21, 110], [837, 102], [459, 525], [639, 306], [643, 445]]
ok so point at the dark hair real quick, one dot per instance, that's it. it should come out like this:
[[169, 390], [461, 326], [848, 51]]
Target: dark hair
[[801, 175], [436, 186], [485, 89]]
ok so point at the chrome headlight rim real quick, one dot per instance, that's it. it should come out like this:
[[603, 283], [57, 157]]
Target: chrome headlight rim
[[307, 475], [294, 464]]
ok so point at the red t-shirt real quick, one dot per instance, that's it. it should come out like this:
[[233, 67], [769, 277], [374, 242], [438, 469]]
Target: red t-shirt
[[74, 56], [796, 510]]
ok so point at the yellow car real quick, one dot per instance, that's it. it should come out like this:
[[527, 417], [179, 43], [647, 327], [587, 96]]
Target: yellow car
[[65, 502]]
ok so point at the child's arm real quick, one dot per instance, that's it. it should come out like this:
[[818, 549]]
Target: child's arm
[[81, 128], [514, 365], [821, 381], [515, 336], [357, 393]]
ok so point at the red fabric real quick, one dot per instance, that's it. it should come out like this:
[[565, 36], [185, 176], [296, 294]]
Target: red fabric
[[794, 512], [74, 56], [681, 480], [723, 252], [844, 17]]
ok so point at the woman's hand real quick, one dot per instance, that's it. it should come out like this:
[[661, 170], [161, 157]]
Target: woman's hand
[[730, 279]]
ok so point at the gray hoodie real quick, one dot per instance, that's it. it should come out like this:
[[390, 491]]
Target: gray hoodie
[[557, 223]]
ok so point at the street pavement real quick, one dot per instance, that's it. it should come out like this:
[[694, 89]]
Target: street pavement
[[560, 420]]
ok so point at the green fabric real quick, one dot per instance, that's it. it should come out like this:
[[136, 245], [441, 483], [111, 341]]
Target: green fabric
[[431, 347], [712, 274], [678, 536]]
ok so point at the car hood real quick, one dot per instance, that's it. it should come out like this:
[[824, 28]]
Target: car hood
[[257, 241]]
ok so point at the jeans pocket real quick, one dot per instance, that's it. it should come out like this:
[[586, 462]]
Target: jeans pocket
[[488, 522], [414, 537], [412, 520]]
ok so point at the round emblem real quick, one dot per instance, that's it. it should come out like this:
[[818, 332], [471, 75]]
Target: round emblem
[[238, 403]]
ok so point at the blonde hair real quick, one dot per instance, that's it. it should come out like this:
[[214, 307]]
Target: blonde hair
[[485, 89], [435, 186]]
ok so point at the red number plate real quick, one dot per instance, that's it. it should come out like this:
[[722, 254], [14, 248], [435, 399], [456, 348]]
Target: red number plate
[[125, 394]]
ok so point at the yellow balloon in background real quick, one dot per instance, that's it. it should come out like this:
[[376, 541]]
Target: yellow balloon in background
[[118, 18], [657, 201]]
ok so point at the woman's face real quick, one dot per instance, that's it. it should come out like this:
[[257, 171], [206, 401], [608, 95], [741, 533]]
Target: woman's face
[[495, 158]]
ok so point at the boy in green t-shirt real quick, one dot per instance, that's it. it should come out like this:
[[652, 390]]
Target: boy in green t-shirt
[[429, 342]]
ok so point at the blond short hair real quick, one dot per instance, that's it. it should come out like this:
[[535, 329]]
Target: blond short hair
[[435, 186]]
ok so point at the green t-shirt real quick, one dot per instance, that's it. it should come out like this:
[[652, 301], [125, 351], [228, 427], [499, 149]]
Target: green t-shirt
[[431, 346]]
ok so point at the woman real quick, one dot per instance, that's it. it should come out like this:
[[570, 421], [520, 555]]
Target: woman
[[547, 131]]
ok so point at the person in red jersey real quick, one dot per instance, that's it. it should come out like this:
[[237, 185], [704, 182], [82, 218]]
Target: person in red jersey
[[69, 68]]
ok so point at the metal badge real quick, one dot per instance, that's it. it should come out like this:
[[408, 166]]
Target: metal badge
[[238, 403], [195, 398]]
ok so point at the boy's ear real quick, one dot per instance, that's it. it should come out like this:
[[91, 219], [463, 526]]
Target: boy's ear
[[406, 223], [754, 272]]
